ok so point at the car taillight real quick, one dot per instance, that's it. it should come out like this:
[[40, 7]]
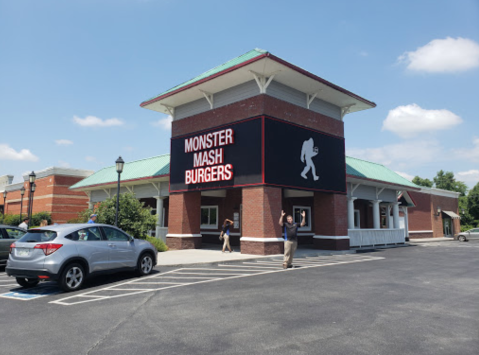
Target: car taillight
[[11, 247], [48, 248]]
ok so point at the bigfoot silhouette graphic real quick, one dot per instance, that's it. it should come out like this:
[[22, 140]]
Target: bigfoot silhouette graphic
[[307, 153]]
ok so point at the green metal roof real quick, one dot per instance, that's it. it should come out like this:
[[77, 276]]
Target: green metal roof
[[160, 165], [367, 170], [139, 169], [229, 64]]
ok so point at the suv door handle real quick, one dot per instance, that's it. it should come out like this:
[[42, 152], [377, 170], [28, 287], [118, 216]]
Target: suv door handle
[[111, 245]]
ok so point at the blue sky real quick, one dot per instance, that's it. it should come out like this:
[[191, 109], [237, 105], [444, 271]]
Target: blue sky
[[62, 62]]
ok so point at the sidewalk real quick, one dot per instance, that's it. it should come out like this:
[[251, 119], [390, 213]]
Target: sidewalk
[[211, 254], [429, 240]]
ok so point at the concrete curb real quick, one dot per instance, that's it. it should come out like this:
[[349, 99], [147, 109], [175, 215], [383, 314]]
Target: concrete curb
[[278, 257], [432, 240]]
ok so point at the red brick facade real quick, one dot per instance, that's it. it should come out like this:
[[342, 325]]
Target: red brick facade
[[261, 205], [52, 194], [424, 219]]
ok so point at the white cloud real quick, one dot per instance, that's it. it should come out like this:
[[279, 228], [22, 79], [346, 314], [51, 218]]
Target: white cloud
[[471, 177], [363, 54], [164, 123], [8, 153], [90, 158], [129, 149], [63, 142], [443, 56], [410, 120], [92, 121], [405, 175], [469, 153], [400, 156]]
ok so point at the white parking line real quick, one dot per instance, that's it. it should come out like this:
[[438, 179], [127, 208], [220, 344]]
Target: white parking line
[[185, 271], [249, 267]]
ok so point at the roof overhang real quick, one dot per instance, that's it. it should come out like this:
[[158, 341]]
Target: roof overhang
[[265, 65], [129, 183], [381, 184]]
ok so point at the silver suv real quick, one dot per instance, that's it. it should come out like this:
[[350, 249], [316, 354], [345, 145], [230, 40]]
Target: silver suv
[[69, 253]]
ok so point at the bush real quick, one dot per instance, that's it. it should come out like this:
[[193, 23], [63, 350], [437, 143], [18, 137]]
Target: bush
[[157, 243], [133, 217], [14, 219]]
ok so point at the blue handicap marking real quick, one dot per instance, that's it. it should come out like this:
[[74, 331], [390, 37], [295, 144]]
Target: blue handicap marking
[[30, 294]]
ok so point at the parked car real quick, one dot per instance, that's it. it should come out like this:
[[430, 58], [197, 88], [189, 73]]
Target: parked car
[[8, 234], [70, 253], [468, 235]]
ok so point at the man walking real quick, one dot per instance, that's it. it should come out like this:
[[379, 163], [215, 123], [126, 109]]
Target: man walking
[[290, 237], [24, 224]]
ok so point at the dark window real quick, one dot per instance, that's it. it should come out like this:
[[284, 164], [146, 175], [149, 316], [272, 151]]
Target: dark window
[[14, 233], [36, 236], [86, 234], [113, 234]]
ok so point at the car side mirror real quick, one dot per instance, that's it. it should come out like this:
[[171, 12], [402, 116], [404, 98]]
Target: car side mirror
[[132, 240]]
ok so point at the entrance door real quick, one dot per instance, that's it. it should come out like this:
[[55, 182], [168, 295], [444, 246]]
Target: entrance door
[[447, 227]]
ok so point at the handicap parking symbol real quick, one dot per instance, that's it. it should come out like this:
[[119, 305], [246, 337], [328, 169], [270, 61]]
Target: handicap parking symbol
[[30, 294]]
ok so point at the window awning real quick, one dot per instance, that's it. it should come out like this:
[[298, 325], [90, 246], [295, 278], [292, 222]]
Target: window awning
[[452, 214]]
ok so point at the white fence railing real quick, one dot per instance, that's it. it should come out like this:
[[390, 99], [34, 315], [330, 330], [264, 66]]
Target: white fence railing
[[363, 237]]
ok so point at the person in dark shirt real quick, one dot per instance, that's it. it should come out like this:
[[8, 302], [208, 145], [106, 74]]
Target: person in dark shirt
[[290, 237], [226, 234]]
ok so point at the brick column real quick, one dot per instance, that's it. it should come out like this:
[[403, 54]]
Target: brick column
[[261, 233], [330, 221], [184, 221]]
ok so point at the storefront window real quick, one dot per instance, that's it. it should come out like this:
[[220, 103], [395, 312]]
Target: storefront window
[[297, 210], [209, 217]]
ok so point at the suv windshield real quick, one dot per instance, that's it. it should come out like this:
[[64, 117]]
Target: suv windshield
[[35, 236]]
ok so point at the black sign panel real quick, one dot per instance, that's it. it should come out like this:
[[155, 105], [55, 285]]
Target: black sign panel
[[303, 158], [221, 157]]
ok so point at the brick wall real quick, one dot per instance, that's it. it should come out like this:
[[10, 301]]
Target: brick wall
[[331, 217], [255, 106], [420, 217], [52, 194], [184, 213], [446, 204]]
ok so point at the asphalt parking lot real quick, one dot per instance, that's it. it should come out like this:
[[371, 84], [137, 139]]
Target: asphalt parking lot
[[411, 300]]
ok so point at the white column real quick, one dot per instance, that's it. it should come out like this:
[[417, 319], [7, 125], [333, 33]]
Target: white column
[[396, 215], [90, 205], [388, 218], [159, 215], [406, 222], [376, 214], [351, 212]]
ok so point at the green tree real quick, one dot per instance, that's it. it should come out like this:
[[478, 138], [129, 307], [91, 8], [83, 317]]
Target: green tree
[[133, 217], [422, 182], [473, 202], [446, 181]]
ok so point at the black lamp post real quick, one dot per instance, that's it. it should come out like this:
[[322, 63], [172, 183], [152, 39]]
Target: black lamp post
[[119, 169], [4, 205], [22, 192], [31, 179]]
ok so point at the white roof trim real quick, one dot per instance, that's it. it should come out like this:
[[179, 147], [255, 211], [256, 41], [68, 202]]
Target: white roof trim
[[59, 171], [439, 192]]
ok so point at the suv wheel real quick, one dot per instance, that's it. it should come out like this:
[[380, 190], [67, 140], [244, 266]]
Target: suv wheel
[[145, 264], [461, 238], [72, 277], [27, 283]]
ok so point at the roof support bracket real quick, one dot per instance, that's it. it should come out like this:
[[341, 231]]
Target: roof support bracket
[[263, 81], [107, 192], [209, 97], [170, 109], [157, 188], [353, 188], [310, 97], [345, 110], [130, 188], [379, 192]]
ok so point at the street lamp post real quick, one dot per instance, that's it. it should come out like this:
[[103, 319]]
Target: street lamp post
[[4, 205], [22, 192], [119, 169], [31, 180]]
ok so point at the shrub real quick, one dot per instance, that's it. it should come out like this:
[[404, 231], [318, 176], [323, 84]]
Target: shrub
[[14, 219], [157, 243]]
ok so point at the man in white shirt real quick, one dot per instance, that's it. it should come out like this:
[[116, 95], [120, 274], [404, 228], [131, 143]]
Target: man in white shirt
[[24, 224]]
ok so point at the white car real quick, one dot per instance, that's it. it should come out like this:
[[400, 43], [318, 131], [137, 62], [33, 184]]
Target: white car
[[468, 235]]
